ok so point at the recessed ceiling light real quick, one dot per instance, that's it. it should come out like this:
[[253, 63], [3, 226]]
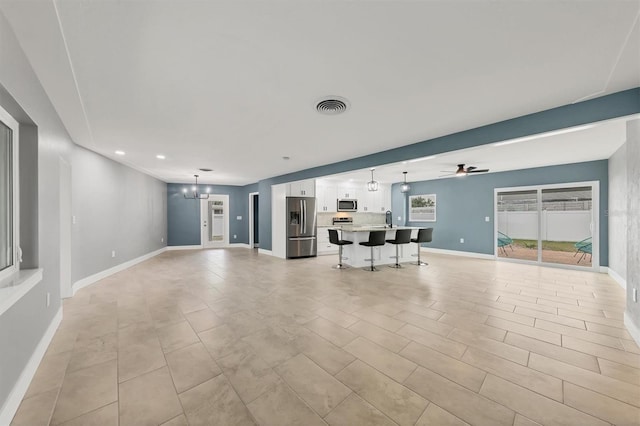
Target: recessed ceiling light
[[120, 152], [160, 157]]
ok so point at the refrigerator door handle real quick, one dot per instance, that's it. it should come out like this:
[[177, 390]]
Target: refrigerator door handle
[[304, 216], [301, 217], [302, 238]]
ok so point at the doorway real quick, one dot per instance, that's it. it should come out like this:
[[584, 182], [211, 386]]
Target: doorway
[[548, 224], [254, 232], [214, 214]]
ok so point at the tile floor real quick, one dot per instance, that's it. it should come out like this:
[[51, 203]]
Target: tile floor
[[229, 337]]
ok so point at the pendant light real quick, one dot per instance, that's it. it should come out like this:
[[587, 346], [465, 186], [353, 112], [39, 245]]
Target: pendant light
[[405, 186], [195, 195], [373, 185]]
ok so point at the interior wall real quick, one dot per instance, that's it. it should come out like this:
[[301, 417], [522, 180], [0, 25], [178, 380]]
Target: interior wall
[[463, 203], [24, 324], [633, 224], [183, 215], [618, 212], [116, 209], [606, 107]]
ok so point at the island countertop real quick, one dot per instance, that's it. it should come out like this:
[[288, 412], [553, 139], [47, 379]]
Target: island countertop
[[371, 228]]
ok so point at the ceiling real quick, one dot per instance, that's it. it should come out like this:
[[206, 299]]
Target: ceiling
[[575, 145], [232, 85]]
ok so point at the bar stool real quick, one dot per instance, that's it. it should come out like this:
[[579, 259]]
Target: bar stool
[[333, 239], [403, 236], [376, 239], [424, 236]]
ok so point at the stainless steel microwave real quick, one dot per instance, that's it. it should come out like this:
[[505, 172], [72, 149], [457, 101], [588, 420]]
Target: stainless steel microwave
[[347, 205]]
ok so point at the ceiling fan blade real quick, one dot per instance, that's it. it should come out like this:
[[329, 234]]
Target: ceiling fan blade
[[478, 171], [470, 168], [450, 174]]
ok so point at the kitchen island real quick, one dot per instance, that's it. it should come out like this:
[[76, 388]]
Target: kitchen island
[[383, 255]]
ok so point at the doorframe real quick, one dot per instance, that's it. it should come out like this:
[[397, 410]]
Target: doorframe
[[204, 204], [251, 218], [595, 220]]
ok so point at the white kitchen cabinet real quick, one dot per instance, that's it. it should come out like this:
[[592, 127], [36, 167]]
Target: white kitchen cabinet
[[302, 188], [375, 201], [349, 191], [326, 196], [324, 246]]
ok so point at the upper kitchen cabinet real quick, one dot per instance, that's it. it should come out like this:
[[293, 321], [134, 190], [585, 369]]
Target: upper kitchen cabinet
[[349, 191], [302, 188], [326, 197], [375, 201]]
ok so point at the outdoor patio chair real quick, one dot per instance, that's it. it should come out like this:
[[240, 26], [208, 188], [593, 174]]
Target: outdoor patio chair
[[504, 240], [583, 247]]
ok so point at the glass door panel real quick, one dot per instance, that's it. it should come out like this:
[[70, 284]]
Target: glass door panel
[[566, 225], [517, 221]]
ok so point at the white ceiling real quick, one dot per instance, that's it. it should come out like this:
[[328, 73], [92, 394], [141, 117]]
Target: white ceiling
[[232, 85], [585, 143]]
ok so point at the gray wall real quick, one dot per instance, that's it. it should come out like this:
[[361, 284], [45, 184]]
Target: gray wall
[[618, 212], [603, 108], [116, 208], [633, 220], [184, 215], [463, 203], [96, 192]]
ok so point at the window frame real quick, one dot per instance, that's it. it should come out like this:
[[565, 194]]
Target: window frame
[[12, 123]]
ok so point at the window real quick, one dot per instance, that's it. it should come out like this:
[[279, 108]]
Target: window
[[9, 238]]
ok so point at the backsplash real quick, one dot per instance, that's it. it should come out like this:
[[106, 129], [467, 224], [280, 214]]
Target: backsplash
[[325, 219]]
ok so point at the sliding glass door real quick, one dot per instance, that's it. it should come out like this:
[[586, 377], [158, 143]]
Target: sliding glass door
[[550, 224]]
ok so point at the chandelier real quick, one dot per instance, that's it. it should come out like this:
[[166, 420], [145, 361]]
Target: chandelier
[[373, 185], [405, 186], [195, 195]]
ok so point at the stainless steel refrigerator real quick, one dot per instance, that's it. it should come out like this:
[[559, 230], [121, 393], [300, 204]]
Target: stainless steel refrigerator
[[301, 227]]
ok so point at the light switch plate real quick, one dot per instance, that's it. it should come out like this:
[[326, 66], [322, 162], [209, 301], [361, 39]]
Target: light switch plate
[[238, 217], [461, 240], [487, 218]]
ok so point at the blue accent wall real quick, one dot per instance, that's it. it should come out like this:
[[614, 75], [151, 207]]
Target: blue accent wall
[[183, 216], [606, 107], [463, 203]]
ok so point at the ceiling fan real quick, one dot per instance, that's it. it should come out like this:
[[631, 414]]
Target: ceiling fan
[[462, 171]]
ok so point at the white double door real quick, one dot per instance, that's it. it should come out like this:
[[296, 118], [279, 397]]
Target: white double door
[[214, 218]]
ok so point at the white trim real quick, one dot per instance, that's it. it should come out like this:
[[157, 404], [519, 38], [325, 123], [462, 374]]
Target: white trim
[[14, 126], [264, 251], [459, 253], [12, 403], [193, 247], [107, 272], [617, 277], [243, 245], [13, 288], [633, 329]]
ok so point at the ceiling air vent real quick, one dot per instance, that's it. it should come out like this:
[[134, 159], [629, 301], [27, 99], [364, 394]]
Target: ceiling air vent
[[206, 170], [332, 105]]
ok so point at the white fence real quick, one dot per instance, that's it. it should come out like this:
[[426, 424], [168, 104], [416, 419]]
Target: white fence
[[556, 225]]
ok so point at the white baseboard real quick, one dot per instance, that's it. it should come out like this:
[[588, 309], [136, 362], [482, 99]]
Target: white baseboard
[[632, 328], [244, 245], [267, 252], [194, 247], [459, 253], [14, 399], [621, 281], [121, 267]]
